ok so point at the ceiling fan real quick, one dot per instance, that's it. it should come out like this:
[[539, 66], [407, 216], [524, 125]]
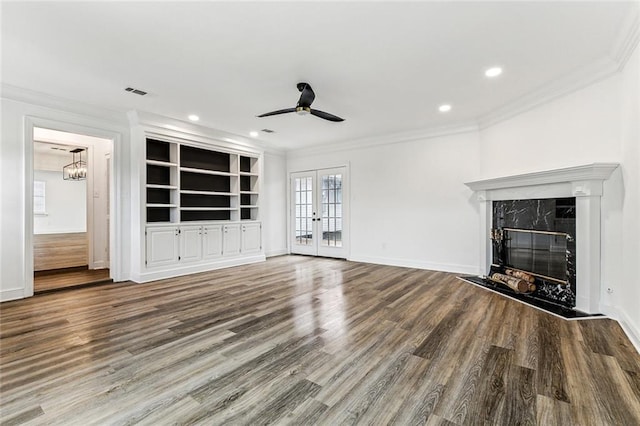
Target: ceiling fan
[[303, 107]]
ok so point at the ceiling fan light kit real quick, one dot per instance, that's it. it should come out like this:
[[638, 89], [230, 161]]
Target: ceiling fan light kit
[[303, 107]]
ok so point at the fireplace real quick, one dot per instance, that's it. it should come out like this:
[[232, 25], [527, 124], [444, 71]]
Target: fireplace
[[547, 226], [537, 237]]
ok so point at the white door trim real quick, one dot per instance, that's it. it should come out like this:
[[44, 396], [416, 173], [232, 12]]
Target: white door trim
[[31, 122]]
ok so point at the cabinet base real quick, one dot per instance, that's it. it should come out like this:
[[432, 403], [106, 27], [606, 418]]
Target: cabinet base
[[186, 269]]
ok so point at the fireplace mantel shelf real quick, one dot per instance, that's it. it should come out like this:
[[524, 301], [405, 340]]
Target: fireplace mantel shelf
[[594, 171]]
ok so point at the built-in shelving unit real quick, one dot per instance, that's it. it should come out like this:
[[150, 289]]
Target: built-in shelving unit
[[187, 183], [199, 198]]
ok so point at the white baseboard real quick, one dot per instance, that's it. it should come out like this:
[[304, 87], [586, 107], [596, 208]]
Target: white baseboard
[[419, 264], [101, 264], [278, 252], [12, 294], [180, 270], [630, 329]]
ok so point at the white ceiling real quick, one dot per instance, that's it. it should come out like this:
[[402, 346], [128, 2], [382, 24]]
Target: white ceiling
[[383, 66]]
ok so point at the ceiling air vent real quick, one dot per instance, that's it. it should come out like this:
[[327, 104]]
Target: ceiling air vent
[[267, 130], [136, 91]]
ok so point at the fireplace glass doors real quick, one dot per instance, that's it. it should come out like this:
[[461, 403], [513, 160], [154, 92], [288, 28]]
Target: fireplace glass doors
[[542, 253]]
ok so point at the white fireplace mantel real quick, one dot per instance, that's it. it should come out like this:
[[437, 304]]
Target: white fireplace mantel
[[583, 182]]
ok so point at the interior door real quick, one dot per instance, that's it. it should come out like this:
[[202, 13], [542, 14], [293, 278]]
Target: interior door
[[318, 212]]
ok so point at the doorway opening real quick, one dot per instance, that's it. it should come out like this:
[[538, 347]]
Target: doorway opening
[[71, 202], [319, 200]]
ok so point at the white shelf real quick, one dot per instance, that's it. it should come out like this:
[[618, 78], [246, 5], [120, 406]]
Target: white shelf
[[248, 174], [161, 163], [154, 186], [162, 205], [206, 172], [248, 206], [188, 191], [249, 192], [193, 209]]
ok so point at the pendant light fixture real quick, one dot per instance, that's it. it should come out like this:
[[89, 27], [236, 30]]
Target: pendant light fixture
[[77, 170]]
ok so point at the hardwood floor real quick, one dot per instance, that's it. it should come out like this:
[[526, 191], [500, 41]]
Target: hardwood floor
[[56, 280], [53, 251], [299, 340]]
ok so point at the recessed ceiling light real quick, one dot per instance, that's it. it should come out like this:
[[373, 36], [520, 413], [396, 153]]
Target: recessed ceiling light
[[193, 117], [253, 134], [493, 72], [444, 108]]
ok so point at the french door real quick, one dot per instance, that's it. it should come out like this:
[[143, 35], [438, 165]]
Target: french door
[[319, 207]]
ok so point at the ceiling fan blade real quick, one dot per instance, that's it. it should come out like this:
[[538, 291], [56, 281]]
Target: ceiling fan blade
[[326, 115], [280, 111], [307, 96]]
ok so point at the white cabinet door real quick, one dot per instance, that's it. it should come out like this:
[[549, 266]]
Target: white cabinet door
[[212, 241], [231, 245], [190, 243], [162, 246], [251, 238]]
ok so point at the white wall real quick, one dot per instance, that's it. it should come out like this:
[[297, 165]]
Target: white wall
[[628, 297], [596, 124], [65, 204], [408, 203], [273, 204]]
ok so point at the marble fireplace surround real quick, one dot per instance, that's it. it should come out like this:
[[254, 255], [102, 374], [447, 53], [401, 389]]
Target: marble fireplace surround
[[585, 183]]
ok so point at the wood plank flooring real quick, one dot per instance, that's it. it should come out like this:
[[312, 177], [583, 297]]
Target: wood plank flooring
[[57, 280], [299, 340], [54, 251]]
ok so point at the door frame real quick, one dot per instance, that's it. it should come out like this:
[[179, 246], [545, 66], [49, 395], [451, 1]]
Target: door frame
[[30, 123], [346, 206]]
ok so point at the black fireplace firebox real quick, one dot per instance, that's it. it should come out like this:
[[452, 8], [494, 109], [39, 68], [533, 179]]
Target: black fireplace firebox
[[538, 237]]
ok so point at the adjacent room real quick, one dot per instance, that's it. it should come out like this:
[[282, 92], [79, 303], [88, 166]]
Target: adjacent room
[[320, 213]]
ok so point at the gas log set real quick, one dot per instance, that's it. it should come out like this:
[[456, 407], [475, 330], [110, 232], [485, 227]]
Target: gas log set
[[518, 281]]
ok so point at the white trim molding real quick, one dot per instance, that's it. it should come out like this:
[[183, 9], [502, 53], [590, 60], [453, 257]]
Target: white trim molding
[[585, 183], [589, 172]]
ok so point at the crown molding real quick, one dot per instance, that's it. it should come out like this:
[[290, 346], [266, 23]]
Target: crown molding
[[627, 40], [607, 66], [572, 82], [179, 129], [388, 139], [19, 94]]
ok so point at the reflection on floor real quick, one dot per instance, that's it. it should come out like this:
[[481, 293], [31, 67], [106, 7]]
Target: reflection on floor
[[57, 279]]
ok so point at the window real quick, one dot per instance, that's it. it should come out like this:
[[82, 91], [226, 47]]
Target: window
[[39, 197]]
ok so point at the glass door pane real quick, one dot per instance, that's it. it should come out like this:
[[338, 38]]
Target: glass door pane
[[331, 210], [303, 213], [303, 210]]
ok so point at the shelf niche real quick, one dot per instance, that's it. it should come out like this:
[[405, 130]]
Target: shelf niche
[[158, 214], [158, 150], [196, 200], [195, 215], [158, 196], [202, 182], [203, 159]]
